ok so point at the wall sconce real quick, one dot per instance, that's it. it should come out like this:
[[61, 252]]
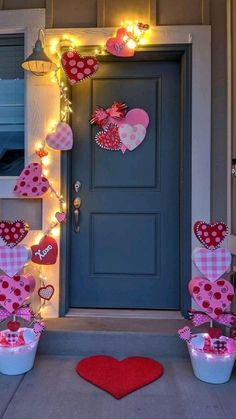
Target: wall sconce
[[38, 62]]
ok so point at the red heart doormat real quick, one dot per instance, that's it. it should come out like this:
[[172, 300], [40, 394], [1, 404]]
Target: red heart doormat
[[119, 378]]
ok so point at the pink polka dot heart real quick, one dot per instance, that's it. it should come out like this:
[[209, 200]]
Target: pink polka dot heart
[[14, 291], [210, 235], [31, 183], [13, 232], [78, 67]]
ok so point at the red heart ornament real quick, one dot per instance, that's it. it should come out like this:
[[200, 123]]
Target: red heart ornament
[[62, 138], [214, 332], [119, 378], [77, 67], [213, 297], [210, 235], [46, 293], [14, 291], [109, 139], [45, 253], [13, 326], [31, 183], [117, 45], [13, 232]]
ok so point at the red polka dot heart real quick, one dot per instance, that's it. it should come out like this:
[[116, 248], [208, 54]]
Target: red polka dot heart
[[78, 67], [13, 232], [210, 235]]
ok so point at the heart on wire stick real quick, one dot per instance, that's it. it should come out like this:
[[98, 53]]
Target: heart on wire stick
[[31, 183], [210, 235], [62, 138], [78, 67], [213, 297], [213, 263], [13, 232]]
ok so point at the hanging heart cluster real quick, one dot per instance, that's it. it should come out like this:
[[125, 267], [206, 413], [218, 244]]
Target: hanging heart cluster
[[213, 294], [121, 130]]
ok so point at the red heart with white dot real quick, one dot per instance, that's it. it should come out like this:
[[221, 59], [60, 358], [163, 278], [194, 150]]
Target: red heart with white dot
[[13, 232], [210, 235], [78, 67]]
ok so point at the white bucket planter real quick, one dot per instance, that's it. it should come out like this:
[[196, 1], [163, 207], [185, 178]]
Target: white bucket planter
[[19, 359], [211, 368]]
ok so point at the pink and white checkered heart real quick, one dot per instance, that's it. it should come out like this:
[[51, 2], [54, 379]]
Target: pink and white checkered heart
[[212, 264], [185, 333], [62, 138], [12, 260], [132, 135], [14, 291]]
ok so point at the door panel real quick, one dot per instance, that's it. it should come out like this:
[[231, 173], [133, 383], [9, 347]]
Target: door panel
[[126, 254]]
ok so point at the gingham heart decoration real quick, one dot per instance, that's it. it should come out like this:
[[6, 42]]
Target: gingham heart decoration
[[12, 260], [213, 297], [62, 138], [212, 264], [47, 292], [210, 235]]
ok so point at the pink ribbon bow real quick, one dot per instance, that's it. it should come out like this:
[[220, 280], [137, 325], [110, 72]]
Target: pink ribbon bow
[[198, 318], [23, 312]]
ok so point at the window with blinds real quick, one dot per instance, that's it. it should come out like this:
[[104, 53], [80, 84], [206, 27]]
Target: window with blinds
[[11, 105]]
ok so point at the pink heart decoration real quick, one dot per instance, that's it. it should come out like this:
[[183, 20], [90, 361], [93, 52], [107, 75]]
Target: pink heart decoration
[[14, 291], [12, 260], [212, 264], [133, 117], [185, 333], [132, 136], [231, 345], [60, 216], [31, 183], [62, 138], [212, 297], [117, 45]]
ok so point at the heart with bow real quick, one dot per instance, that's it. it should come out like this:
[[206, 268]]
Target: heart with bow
[[12, 260], [14, 291], [210, 235], [109, 139], [62, 138], [45, 253], [213, 263], [212, 297], [78, 67], [31, 183], [13, 232], [118, 45]]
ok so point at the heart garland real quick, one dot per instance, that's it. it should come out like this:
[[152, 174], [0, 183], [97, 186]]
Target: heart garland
[[13, 232], [78, 67], [121, 131]]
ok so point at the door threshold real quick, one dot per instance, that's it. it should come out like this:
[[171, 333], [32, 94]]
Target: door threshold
[[125, 314]]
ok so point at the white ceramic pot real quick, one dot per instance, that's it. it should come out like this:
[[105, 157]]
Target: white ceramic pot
[[211, 368], [19, 359]]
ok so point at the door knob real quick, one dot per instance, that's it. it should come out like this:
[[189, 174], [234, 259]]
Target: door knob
[[76, 204]]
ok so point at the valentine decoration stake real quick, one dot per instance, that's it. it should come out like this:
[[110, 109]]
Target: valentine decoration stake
[[121, 131], [212, 354], [31, 183], [62, 138], [13, 232], [78, 67], [45, 253]]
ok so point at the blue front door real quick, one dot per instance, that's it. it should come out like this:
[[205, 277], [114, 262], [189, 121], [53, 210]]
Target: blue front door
[[126, 254]]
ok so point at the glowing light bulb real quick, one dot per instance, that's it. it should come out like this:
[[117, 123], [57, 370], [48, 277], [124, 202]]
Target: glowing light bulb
[[131, 44], [55, 231], [46, 160]]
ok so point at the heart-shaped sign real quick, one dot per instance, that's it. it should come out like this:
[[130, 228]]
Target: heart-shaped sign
[[47, 292], [213, 263], [14, 291], [118, 45], [45, 253], [31, 183], [109, 139], [185, 333], [119, 378], [77, 67], [133, 117], [132, 136], [13, 232], [12, 260], [210, 235], [213, 297], [62, 138]]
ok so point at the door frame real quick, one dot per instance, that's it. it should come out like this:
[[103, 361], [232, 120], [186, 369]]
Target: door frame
[[182, 54], [199, 182]]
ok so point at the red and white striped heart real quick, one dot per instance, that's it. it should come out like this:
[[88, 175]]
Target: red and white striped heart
[[46, 293]]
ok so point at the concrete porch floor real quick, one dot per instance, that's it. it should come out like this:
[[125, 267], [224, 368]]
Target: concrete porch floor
[[53, 390]]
